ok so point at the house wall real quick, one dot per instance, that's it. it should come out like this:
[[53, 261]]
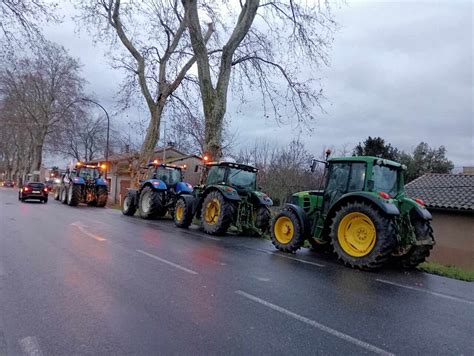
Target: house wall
[[454, 236]]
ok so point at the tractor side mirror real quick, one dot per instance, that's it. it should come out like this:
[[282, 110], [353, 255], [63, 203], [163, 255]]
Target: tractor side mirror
[[313, 165], [370, 185]]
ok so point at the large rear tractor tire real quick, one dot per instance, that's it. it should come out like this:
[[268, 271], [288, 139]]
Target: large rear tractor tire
[[74, 195], [217, 214], [150, 204], [183, 213], [287, 234], [362, 237], [102, 195], [262, 221], [63, 195], [129, 207], [418, 253]]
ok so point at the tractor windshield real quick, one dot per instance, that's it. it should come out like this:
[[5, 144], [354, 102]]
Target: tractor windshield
[[242, 179], [89, 173], [385, 180], [168, 175]]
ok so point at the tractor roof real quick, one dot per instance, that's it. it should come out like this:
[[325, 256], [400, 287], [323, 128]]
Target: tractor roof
[[366, 159], [243, 167], [166, 165]]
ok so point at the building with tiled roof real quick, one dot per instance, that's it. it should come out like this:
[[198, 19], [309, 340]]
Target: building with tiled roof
[[450, 199], [444, 191]]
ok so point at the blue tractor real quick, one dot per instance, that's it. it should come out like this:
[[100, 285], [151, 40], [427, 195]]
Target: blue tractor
[[83, 184], [157, 195]]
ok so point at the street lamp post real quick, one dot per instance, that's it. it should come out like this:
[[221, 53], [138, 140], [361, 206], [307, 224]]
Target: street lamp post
[[108, 132]]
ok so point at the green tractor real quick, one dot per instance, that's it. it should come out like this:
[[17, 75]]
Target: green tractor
[[228, 198], [363, 215]]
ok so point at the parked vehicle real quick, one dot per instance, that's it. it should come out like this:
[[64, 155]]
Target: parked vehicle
[[83, 184], [8, 183], [362, 214], [157, 195], [228, 198], [33, 190]]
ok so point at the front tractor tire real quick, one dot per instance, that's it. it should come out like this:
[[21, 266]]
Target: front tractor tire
[[217, 214], [74, 195], [287, 234], [63, 195], [150, 203], [362, 237], [419, 253], [262, 221], [129, 207], [102, 195], [183, 213]]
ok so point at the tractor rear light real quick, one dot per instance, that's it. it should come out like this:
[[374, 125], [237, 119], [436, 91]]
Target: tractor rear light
[[419, 201], [384, 195]]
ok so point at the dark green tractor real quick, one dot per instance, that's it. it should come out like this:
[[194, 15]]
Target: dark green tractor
[[362, 214], [229, 197]]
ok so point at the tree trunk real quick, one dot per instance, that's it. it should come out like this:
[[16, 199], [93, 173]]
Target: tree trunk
[[214, 111], [37, 157], [148, 146]]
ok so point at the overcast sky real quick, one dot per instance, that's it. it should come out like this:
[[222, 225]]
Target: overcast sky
[[401, 70]]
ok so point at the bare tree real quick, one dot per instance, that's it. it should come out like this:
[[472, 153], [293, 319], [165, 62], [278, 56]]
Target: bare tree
[[42, 88], [157, 60], [266, 45], [19, 20], [83, 137]]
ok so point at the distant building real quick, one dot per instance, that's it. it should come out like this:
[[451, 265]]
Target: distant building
[[450, 199], [118, 172], [467, 170]]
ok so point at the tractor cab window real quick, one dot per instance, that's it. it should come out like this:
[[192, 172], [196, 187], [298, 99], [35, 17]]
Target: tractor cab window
[[242, 179], [385, 180], [216, 175], [168, 175], [346, 177], [89, 173]]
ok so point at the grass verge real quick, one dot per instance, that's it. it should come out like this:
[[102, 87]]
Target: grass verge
[[447, 271]]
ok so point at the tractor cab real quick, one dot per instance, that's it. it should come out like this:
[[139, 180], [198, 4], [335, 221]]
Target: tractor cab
[[356, 174], [238, 176], [169, 174]]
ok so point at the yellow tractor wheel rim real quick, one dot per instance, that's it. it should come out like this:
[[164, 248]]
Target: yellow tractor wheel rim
[[356, 234], [284, 229], [179, 213], [212, 212]]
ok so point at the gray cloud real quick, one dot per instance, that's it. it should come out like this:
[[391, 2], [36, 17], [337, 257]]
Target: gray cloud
[[400, 70]]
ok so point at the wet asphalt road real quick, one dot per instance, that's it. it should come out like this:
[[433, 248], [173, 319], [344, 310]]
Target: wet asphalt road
[[91, 281]]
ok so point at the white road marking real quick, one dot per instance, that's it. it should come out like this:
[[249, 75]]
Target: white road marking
[[212, 238], [262, 279], [83, 229], [315, 324], [30, 346], [288, 257], [441, 295], [175, 265]]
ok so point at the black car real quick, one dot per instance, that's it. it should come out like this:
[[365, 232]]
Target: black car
[[8, 183], [33, 190]]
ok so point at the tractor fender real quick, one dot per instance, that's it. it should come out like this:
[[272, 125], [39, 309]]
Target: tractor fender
[[302, 217], [228, 192], [419, 213], [387, 207], [134, 193], [191, 201], [77, 180], [183, 188], [100, 182], [262, 199], [157, 184], [416, 211]]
